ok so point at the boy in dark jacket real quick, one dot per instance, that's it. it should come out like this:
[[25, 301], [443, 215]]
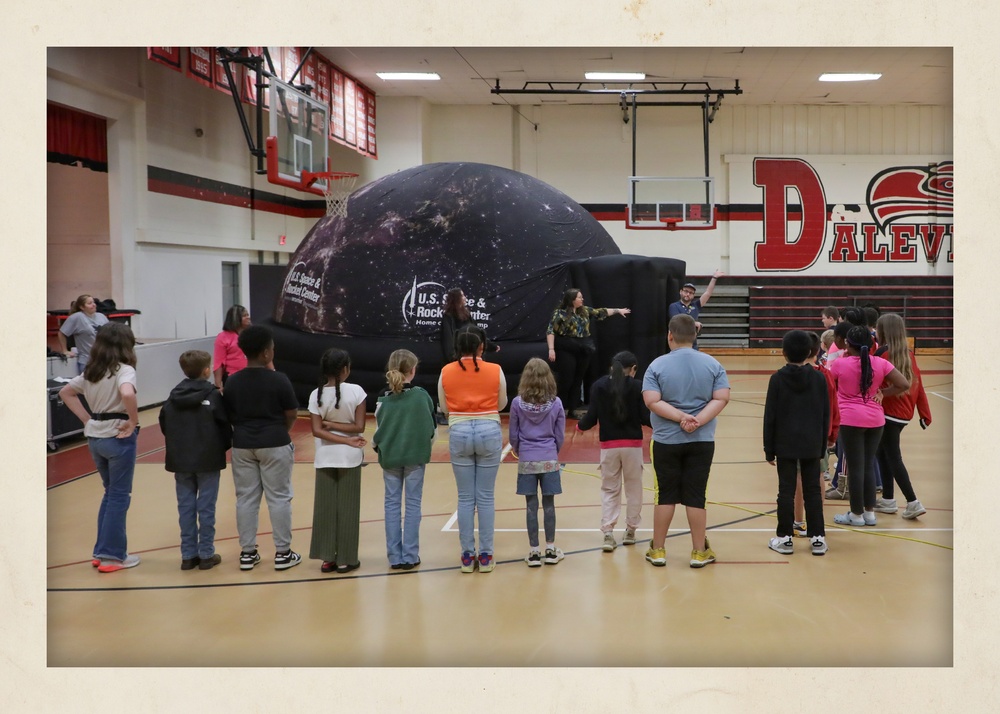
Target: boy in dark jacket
[[197, 433], [796, 427]]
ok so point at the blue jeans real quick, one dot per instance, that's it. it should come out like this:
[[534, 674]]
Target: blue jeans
[[475, 458], [115, 461], [196, 497], [402, 544]]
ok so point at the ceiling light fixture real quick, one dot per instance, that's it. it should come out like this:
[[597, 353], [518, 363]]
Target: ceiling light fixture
[[616, 76], [408, 75], [847, 77]]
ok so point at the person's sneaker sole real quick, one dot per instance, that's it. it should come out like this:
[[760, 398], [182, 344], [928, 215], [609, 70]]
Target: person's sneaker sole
[[251, 565], [658, 562], [701, 563], [780, 548], [534, 563], [820, 551], [113, 566], [914, 514], [628, 540], [608, 547]]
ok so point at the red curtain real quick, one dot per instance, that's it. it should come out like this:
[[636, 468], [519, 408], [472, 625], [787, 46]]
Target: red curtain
[[75, 137]]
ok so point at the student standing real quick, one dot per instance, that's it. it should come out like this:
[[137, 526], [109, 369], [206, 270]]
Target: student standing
[[472, 393], [616, 405], [337, 414], [684, 390], [112, 431], [796, 430], [537, 430], [404, 432], [262, 407], [197, 434]]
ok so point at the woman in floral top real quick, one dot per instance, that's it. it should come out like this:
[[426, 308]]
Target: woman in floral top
[[569, 333]]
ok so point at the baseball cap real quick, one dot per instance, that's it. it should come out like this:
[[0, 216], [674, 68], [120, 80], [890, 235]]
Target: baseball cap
[[688, 285]]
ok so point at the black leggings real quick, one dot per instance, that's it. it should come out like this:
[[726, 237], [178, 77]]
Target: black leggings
[[573, 357], [860, 445], [548, 514], [890, 461]]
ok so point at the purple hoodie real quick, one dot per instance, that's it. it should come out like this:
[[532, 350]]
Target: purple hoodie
[[537, 431]]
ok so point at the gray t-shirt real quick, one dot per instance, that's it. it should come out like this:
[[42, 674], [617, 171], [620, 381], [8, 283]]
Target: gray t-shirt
[[685, 379], [104, 396], [83, 330]]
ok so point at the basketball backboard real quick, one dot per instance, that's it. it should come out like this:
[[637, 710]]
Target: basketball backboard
[[298, 138], [671, 202]]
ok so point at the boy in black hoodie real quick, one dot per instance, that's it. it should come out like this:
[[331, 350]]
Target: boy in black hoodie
[[796, 425], [197, 433]]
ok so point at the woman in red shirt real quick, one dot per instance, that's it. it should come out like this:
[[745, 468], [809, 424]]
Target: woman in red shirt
[[229, 358]]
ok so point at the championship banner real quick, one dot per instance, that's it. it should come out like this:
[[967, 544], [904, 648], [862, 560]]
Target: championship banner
[[336, 104], [200, 64], [372, 148], [350, 112], [169, 56], [221, 81], [841, 215], [361, 118]]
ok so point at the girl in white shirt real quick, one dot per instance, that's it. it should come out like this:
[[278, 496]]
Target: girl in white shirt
[[337, 410]]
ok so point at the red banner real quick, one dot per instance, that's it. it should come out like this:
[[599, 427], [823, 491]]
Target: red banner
[[336, 104], [170, 56], [221, 80], [350, 112], [200, 63], [372, 148]]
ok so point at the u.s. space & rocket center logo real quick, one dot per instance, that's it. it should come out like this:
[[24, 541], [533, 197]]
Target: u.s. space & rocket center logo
[[423, 305]]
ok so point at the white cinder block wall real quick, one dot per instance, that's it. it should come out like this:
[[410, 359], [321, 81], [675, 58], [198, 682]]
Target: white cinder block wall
[[167, 251]]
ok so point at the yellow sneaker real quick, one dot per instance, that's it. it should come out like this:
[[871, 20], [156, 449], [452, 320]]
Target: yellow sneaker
[[701, 558], [657, 556]]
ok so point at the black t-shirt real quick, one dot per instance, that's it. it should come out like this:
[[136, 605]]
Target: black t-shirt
[[256, 401]]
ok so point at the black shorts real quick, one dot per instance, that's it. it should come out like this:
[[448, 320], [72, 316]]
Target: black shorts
[[682, 472]]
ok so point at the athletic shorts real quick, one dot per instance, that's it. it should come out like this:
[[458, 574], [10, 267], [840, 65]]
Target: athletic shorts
[[682, 472], [527, 484]]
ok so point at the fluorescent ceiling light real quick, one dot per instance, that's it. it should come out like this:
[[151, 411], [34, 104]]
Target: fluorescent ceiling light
[[847, 77], [616, 76], [408, 75]]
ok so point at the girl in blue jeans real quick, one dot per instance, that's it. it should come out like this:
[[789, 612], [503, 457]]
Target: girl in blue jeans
[[472, 393], [112, 429], [404, 433]]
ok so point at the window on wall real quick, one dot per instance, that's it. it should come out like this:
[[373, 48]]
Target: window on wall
[[230, 286]]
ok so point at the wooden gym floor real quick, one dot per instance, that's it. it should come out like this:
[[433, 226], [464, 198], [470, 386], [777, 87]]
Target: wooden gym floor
[[888, 588]]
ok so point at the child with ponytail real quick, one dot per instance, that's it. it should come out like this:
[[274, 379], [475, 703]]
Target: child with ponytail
[[616, 405], [862, 380], [404, 433], [337, 411]]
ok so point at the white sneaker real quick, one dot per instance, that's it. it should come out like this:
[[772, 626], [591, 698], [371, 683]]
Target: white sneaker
[[781, 544], [886, 505], [609, 542], [111, 566], [913, 509], [629, 538], [819, 546], [849, 519], [869, 518], [553, 556]]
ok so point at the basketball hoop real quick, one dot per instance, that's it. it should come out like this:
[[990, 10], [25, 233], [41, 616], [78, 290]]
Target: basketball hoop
[[670, 222], [339, 186]]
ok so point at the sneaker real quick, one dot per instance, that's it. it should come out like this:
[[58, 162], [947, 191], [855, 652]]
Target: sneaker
[[209, 563], [656, 556], [849, 519], [95, 562], [534, 559], [286, 560], [886, 505], [609, 542], [701, 558], [869, 518], [110, 566], [799, 529], [781, 544], [468, 562], [913, 510], [553, 555], [835, 494], [249, 560], [486, 563], [629, 538], [818, 544], [190, 563]]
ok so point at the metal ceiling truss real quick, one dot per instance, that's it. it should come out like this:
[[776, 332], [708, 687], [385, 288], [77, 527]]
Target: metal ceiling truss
[[628, 99]]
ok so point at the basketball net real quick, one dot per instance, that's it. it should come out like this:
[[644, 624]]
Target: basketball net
[[339, 187]]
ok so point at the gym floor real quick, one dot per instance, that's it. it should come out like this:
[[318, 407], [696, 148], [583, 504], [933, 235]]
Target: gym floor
[[882, 596]]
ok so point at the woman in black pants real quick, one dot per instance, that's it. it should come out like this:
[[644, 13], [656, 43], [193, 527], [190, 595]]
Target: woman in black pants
[[569, 340]]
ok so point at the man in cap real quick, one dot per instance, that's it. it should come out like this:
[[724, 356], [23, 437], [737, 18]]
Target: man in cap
[[689, 305]]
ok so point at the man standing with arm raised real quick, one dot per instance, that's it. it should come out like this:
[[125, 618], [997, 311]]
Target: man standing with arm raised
[[685, 390], [690, 306]]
